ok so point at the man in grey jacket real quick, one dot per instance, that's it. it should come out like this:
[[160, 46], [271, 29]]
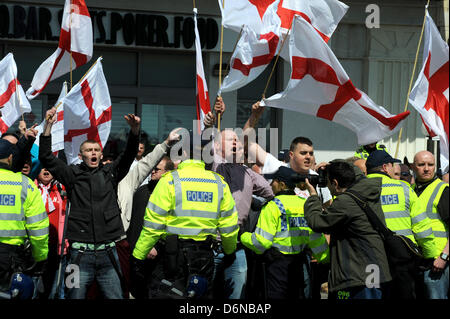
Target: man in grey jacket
[[359, 266]]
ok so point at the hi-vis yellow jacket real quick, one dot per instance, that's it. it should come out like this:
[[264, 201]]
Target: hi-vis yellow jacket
[[22, 213], [404, 214], [362, 153], [429, 199], [192, 203], [282, 225]]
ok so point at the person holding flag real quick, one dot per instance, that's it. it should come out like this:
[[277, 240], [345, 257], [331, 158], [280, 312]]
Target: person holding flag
[[94, 222]]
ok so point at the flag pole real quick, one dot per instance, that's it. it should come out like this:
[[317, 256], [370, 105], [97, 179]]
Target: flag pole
[[70, 30], [89, 69], [412, 77], [276, 60], [220, 64]]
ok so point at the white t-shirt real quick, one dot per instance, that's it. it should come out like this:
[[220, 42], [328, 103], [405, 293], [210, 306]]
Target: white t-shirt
[[272, 164]]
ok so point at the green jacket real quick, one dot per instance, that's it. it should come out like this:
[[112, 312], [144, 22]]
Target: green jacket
[[354, 243]]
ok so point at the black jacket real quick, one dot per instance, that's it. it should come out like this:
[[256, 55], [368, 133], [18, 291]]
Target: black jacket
[[94, 215]]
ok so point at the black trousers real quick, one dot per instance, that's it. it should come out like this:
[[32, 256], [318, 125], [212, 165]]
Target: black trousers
[[403, 285], [284, 277], [11, 260]]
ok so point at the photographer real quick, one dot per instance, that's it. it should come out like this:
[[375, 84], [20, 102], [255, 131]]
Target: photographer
[[356, 248]]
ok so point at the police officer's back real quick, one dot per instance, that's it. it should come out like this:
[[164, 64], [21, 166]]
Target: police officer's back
[[22, 216], [187, 208]]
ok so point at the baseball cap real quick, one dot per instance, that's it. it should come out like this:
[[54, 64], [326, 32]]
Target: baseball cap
[[380, 157], [284, 174], [283, 155], [6, 148]]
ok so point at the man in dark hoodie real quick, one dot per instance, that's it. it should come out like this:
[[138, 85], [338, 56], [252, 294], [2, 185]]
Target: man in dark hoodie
[[359, 266]]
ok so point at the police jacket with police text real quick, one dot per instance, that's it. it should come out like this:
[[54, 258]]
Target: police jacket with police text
[[94, 215]]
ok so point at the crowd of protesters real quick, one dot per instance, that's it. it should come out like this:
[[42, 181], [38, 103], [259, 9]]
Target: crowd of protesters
[[301, 232]]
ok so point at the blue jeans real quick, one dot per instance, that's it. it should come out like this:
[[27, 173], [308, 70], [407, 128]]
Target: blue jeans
[[436, 284], [359, 293], [235, 276], [94, 265]]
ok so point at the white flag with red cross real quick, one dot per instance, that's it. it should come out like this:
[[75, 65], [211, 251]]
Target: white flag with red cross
[[319, 86], [324, 15], [202, 95], [13, 101], [254, 52], [430, 93], [57, 131], [87, 113], [74, 49]]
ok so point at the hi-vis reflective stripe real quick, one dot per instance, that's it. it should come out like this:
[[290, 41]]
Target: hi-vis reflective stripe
[[190, 231], [398, 214], [292, 233], [440, 234], [320, 249], [13, 233], [10, 217], [24, 193], [283, 214], [419, 218], [315, 236], [227, 213], [152, 225], [264, 234], [257, 244], [289, 249], [38, 232], [404, 232], [424, 233], [430, 213], [155, 208], [229, 229], [37, 218]]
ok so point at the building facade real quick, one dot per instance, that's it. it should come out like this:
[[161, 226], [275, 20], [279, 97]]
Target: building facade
[[149, 62]]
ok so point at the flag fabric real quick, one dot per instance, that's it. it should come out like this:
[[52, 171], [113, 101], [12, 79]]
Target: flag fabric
[[430, 93], [76, 37], [202, 96], [57, 131], [324, 15], [253, 52], [319, 86], [87, 113], [13, 101]]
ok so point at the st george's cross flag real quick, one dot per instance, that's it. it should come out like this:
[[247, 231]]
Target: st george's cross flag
[[319, 86], [87, 113], [254, 52], [430, 93], [13, 101], [75, 43], [324, 15], [202, 95], [57, 131]]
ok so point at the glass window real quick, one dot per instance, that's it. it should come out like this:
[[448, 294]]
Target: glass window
[[119, 128], [35, 116], [158, 120]]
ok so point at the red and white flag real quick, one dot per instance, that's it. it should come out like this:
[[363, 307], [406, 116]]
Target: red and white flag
[[320, 86], [430, 93], [58, 127], [324, 15], [13, 101], [202, 95], [87, 113], [253, 52], [76, 38]]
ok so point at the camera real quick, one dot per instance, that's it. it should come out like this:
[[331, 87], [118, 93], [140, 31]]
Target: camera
[[320, 180]]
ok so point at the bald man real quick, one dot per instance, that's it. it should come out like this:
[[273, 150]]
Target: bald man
[[433, 195]]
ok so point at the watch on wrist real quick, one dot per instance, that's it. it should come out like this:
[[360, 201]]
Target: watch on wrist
[[444, 256]]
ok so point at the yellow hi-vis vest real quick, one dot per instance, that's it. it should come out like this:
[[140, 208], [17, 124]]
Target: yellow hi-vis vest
[[22, 214], [282, 225], [192, 203], [362, 153], [429, 199], [403, 213]]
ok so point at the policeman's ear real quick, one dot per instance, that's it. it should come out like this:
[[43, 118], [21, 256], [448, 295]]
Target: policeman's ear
[[10, 160]]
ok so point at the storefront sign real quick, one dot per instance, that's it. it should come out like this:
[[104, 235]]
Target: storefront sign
[[33, 23]]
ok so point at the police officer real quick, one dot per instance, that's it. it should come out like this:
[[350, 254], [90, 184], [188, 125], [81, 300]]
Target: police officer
[[187, 208], [434, 196], [404, 216], [22, 217], [364, 151], [282, 233]]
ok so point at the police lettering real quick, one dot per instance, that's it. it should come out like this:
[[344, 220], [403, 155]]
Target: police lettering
[[7, 200], [297, 222], [194, 196], [389, 199]]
